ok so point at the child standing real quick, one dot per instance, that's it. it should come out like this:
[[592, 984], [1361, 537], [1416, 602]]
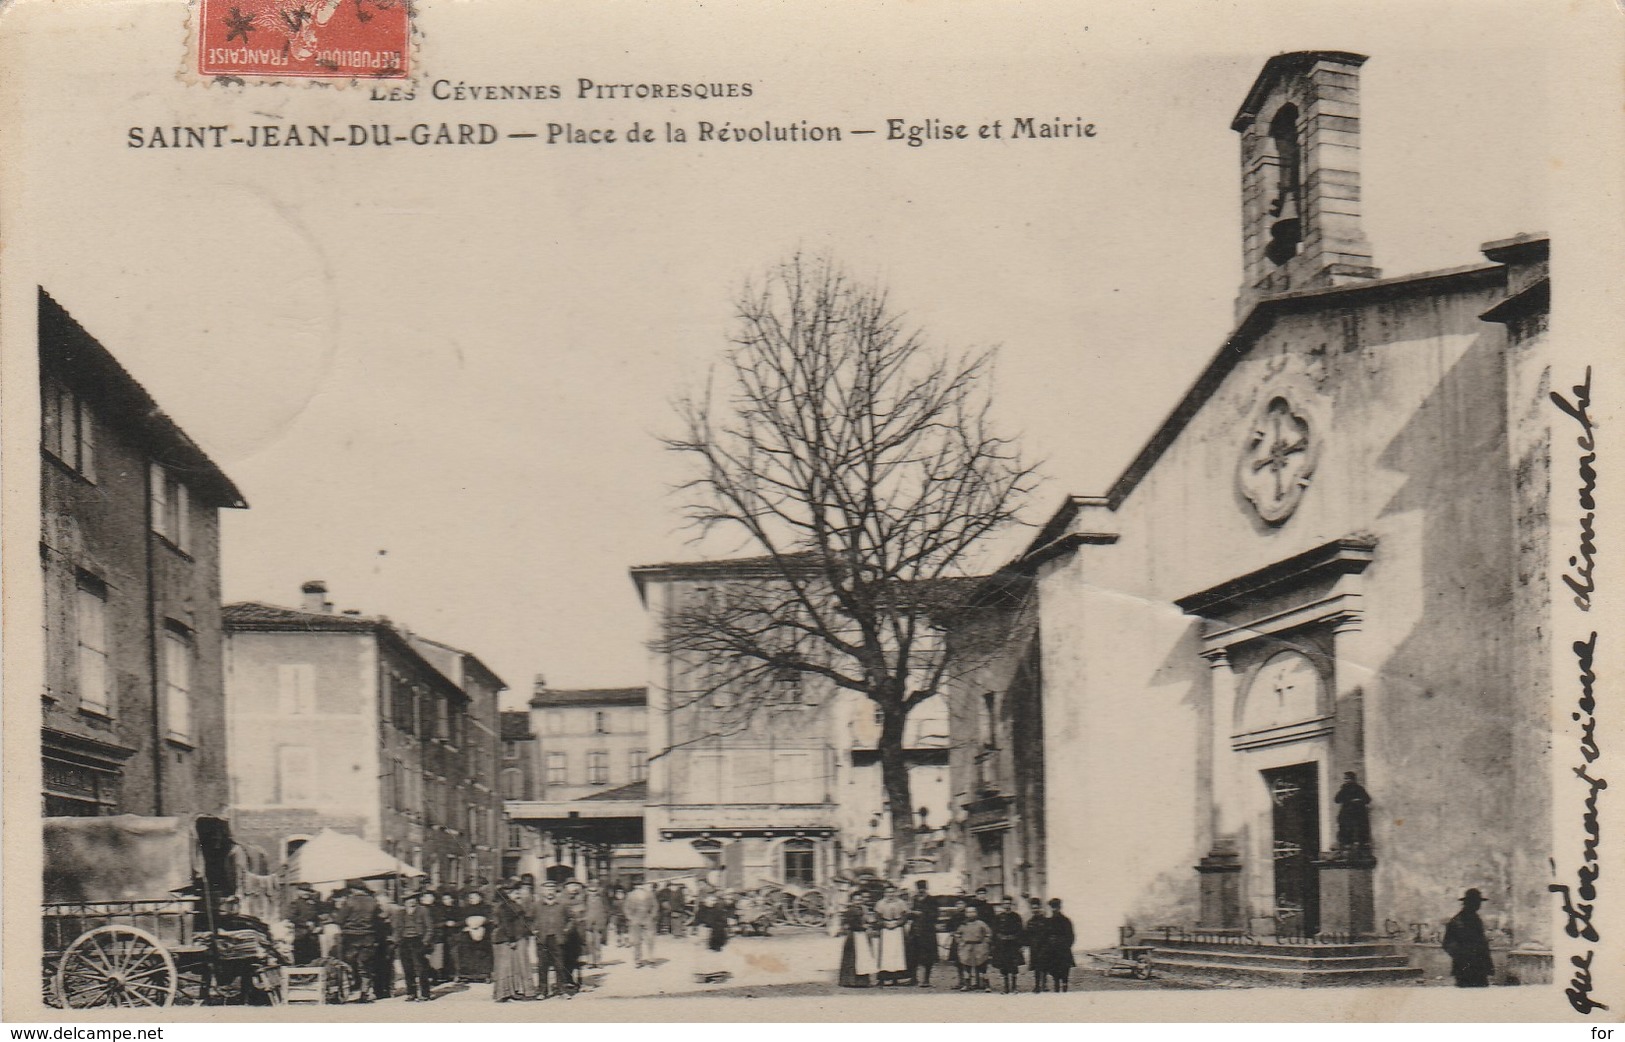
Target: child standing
[[973, 936]]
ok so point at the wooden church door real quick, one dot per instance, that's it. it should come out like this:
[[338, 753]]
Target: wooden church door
[[1295, 805]]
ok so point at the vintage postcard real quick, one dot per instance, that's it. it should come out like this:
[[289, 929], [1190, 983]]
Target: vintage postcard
[[531, 511]]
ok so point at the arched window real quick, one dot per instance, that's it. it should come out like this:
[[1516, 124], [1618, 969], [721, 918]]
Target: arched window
[[1286, 209], [711, 850], [510, 783], [1288, 689]]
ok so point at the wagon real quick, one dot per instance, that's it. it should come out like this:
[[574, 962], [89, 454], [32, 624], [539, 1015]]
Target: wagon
[[795, 905], [131, 917]]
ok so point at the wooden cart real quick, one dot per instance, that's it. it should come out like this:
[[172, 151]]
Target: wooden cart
[[128, 933]]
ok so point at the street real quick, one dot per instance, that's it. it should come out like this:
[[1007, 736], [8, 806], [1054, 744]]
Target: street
[[794, 962]]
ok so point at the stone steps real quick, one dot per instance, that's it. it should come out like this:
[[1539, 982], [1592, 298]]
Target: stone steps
[[1316, 965]]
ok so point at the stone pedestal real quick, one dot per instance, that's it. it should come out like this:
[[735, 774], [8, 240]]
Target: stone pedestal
[[1347, 904], [1220, 875]]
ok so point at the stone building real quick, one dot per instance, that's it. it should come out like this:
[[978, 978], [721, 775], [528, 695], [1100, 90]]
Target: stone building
[[133, 711], [584, 816], [744, 778], [1329, 558], [776, 777], [996, 721], [344, 721], [519, 781]]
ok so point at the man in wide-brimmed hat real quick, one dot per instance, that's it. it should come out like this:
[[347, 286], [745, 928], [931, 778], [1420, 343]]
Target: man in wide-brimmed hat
[[358, 919], [1467, 946]]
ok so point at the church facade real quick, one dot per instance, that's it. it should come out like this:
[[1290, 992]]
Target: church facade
[[1326, 569]]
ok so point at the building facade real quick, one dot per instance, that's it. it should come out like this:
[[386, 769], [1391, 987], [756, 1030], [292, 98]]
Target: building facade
[[583, 817], [777, 776], [518, 782], [589, 741], [344, 721], [743, 778], [133, 709], [1329, 562], [996, 719]]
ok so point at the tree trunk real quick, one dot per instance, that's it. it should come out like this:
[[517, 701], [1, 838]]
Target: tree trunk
[[894, 779]]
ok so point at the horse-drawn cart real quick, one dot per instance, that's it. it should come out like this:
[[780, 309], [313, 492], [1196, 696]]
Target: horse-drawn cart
[[133, 917]]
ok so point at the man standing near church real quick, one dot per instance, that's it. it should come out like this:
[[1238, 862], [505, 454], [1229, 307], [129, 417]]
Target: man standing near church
[[1467, 945]]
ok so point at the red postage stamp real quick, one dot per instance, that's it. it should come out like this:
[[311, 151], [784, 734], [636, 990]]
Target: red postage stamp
[[332, 39]]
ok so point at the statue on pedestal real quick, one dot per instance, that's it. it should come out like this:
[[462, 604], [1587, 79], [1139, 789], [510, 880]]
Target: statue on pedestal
[[1353, 818]]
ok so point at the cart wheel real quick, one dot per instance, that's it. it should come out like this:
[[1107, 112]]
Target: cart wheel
[[115, 966], [812, 909]]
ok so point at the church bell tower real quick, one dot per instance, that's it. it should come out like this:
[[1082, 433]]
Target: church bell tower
[[1300, 176]]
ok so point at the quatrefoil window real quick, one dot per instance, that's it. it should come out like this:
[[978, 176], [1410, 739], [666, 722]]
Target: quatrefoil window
[[1278, 459]]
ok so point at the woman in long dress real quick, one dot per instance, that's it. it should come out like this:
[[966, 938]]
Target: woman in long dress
[[448, 925], [857, 955], [511, 973], [891, 938]]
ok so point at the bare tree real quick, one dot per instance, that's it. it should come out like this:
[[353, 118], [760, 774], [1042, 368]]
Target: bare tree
[[860, 463]]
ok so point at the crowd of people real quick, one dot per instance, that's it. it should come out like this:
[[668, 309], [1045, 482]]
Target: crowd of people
[[893, 940], [533, 941], [528, 941]]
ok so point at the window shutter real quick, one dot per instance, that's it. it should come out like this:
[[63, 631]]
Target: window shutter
[[93, 672], [87, 444], [178, 683], [157, 482], [182, 533], [51, 420]]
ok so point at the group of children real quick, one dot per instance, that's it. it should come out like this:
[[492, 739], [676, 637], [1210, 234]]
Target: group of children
[[1006, 941], [893, 941]]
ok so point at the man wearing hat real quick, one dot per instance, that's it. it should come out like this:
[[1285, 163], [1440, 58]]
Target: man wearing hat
[[357, 918], [552, 920], [1467, 946]]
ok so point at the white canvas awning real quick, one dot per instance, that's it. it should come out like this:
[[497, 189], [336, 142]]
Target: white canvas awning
[[332, 857]]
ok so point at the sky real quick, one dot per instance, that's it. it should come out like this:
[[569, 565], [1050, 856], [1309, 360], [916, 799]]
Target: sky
[[439, 375]]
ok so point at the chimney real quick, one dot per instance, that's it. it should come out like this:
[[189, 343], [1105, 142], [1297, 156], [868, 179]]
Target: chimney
[[314, 599], [1300, 176]]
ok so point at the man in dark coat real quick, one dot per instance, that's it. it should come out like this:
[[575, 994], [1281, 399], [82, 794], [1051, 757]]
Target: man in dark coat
[[357, 919], [1467, 945], [1050, 939], [551, 919], [414, 933], [922, 934], [1353, 816], [711, 919]]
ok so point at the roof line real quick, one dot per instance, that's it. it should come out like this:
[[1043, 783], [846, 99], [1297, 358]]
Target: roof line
[[1235, 346], [139, 413], [379, 628]]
